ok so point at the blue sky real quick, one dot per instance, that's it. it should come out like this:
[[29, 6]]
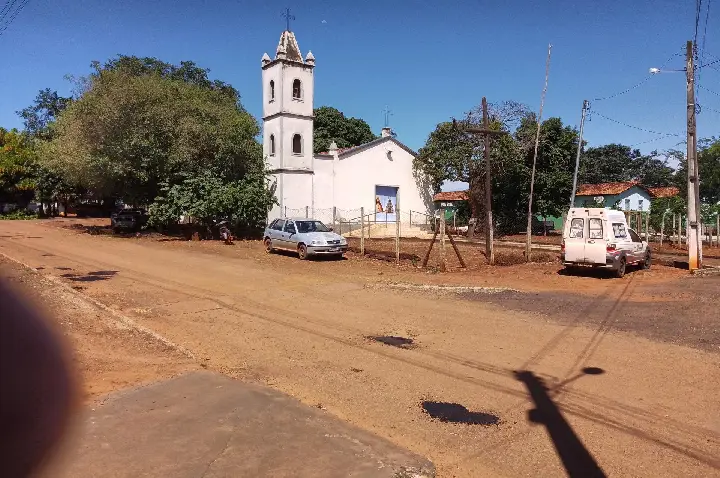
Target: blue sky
[[427, 60]]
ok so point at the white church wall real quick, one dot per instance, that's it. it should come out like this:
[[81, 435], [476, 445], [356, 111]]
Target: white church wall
[[290, 126], [304, 105], [297, 194], [271, 105], [357, 175]]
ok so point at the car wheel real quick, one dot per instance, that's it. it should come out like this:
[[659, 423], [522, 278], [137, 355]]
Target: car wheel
[[620, 272], [647, 262], [302, 252], [268, 245]]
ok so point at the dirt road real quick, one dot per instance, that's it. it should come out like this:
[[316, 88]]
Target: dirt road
[[604, 398]]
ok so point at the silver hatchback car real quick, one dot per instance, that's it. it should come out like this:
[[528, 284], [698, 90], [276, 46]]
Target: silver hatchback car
[[307, 237]]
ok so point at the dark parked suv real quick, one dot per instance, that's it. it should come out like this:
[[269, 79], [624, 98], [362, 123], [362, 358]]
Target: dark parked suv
[[128, 220]]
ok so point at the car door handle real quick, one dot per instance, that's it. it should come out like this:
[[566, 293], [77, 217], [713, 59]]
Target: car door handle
[[591, 242]]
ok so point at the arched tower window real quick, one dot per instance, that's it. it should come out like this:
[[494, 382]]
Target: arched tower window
[[272, 145], [297, 89], [272, 90], [297, 143]]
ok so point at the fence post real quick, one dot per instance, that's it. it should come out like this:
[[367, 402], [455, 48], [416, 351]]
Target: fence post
[[334, 216], [362, 231], [397, 235], [662, 229], [647, 227], [306, 212], [717, 230], [443, 259], [285, 215], [410, 217]]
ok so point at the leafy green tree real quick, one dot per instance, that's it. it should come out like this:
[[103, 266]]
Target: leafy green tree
[[608, 164], [205, 197], [555, 163], [139, 125], [39, 117], [18, 164], [331, 125]]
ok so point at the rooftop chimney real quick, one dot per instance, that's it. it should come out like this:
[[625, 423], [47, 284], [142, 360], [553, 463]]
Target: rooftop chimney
[[386, 131]]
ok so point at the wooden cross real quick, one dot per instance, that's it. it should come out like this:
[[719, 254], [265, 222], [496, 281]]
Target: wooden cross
[[486, 133]]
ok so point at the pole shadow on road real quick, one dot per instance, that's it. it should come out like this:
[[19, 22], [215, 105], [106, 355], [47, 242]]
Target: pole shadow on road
[[576, 459]]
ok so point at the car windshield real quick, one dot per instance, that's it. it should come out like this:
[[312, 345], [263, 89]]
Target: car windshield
[[311, 226]]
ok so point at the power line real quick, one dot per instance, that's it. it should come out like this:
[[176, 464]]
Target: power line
[[634, 127], [13, 16], [645, 80], [708, 64], [8, 6], [654, 139], [709, 90]]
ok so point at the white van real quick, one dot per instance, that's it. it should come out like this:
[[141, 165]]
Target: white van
[[598, 237]]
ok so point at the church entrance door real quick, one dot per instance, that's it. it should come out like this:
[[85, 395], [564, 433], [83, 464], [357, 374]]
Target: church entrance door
[[385, 203]]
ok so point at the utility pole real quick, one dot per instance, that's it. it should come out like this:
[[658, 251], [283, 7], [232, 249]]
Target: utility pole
[[693, 184], [528, 242], [585, 107], [489, 250], [486, 133]]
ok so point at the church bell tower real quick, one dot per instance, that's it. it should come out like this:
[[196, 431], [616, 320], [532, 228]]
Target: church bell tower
[[288, 124]]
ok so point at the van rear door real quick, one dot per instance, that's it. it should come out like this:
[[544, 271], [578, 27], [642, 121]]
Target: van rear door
[[575, 240], [596, 244]]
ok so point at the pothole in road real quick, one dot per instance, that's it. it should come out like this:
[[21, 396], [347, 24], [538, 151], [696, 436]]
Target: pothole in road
[[456, 413], [393, 341]]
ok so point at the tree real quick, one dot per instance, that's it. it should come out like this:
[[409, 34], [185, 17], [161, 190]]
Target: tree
[[142, 123], [244, 203], [40, 116], [18, 165], [331, 125], [555, 162], [608, 164]]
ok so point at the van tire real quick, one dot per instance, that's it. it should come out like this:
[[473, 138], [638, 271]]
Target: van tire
[[620, 271]]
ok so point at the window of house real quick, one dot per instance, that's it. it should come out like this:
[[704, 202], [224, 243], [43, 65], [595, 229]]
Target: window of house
[[619, 230], [596, 228], [297, 144], [272, 90], [627, 204], [640, 204], [271, 146], [576, 228], [297, 90]]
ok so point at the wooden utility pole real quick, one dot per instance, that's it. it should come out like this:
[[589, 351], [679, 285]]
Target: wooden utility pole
[[585, 107], [486, 133], [694, 240], [528, 241], [489, 250]]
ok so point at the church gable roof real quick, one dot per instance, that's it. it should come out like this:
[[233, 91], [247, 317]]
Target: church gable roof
[[356, 149], [289, 45]]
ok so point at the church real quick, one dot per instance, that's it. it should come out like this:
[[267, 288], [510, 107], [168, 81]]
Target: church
[[377, 176]]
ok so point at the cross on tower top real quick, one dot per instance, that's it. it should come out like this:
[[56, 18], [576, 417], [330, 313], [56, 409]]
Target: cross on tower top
[[288, 17], [386, 114]]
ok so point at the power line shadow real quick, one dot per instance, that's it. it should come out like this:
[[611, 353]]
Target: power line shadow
[[576, 459]]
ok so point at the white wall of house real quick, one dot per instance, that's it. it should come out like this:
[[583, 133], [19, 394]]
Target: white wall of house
[[634, 199]]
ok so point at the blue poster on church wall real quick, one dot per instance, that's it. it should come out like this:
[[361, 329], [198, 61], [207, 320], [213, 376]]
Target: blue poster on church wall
[[385, 203]]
